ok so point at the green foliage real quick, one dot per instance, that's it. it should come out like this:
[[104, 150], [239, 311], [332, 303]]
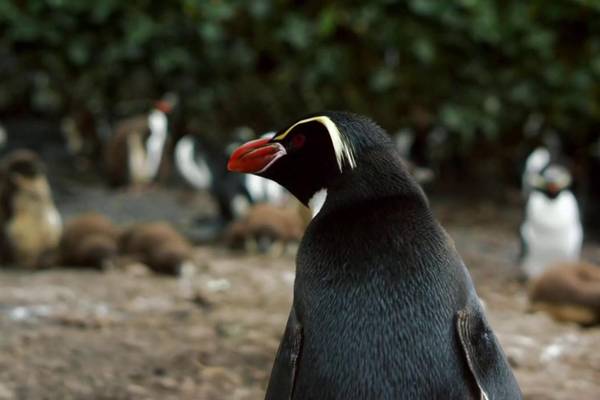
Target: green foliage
[[479, 67]]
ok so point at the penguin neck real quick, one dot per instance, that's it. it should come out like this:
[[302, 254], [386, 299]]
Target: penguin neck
[[379, 176]]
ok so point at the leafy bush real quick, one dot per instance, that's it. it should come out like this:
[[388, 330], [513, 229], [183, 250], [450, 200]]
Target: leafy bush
[[481, 68]]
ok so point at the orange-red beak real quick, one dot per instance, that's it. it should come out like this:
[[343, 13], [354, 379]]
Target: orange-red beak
[[553, 188], [255, 156]]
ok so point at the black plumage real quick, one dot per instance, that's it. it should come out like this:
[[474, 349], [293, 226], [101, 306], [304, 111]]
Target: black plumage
[[384, 307]]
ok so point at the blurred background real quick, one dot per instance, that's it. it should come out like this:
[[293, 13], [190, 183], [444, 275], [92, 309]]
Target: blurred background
[[131, 109]]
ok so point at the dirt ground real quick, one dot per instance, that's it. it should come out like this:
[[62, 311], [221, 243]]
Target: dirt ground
[[70, 334]]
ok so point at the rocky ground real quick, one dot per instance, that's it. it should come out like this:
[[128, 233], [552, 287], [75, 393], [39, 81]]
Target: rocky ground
[[70, 334]]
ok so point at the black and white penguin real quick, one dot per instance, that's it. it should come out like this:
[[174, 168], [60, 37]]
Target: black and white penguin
[[205, 168], [384, 307], [551, 232], [30, 225], [135, 151]]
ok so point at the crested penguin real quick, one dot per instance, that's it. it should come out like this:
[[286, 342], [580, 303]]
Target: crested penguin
[[30, 225], [551, 232], [135, 151], [384, 307], [204, 168]]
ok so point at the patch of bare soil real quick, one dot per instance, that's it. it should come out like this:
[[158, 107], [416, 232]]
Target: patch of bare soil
[[70, 334]]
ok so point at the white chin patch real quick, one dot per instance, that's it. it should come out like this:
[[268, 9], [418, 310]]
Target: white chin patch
[[317, 200]]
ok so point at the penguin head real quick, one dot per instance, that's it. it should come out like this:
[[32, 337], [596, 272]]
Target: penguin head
[[310, 154], [552, 180], [21, 169], [167, 103]]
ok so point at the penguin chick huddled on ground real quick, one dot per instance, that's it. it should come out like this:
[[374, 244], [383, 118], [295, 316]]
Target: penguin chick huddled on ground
[[384, 307], [569, 293], [157, 245], [135, 151], [89, 240], [265, 226], [551, 232], [30, 224]]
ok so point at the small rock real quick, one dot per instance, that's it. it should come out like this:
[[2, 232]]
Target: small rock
[[218, 285]]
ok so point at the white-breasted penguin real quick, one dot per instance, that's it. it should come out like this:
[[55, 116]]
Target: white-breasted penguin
[[551, 232], [135, 151], [384, 307], [30, 225]]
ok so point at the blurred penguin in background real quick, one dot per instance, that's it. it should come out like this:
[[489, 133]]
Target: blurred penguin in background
[[551, 232], [159, 246], [3, 137], [204, 168], [31, 226], [85, 135], [89, 240], [405, 143], [136, 149], [569, 293], [593, 188], [267, 227]]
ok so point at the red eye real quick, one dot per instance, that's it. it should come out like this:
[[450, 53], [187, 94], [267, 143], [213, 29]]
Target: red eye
[[298, 141]]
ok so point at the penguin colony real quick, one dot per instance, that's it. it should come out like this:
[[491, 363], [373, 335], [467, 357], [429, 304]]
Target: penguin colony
[[374, 265], [384, 307], [32, 232], [134, 155]]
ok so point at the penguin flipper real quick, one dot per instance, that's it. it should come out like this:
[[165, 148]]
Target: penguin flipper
[[485, 357], [285, 367]]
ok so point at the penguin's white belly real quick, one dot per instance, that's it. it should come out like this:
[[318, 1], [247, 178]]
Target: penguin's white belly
[[197, 173], [552, 232], [546, 248]]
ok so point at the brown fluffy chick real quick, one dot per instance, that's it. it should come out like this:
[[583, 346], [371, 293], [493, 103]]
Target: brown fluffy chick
[[89, 240], [266, 224], [30, 223], [157, 245], [569, 293]]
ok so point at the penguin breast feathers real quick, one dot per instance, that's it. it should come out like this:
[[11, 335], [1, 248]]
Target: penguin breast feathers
[[553, 214]]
